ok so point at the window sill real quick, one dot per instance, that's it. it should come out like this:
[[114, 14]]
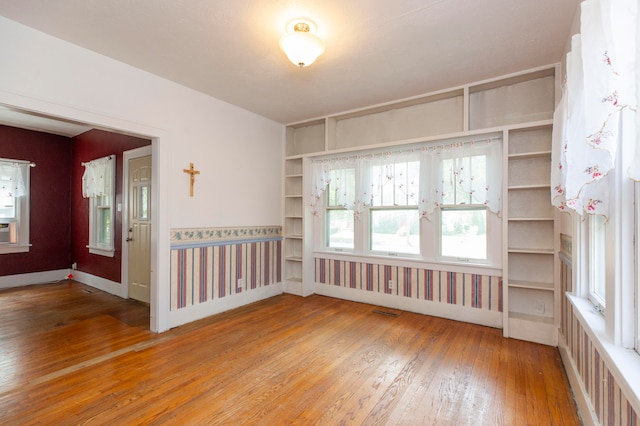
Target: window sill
[[11, 248], [102, 251], [467, 267], [623, 363]]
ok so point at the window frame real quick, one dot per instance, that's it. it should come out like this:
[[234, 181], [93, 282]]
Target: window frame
[[327, 229], [636, 287], [429, 227], [22, 212], [369, 232], [95, 246], [596, 261], [488, 226]]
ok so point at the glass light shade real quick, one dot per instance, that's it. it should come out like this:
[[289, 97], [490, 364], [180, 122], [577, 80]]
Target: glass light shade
[[302, 48]]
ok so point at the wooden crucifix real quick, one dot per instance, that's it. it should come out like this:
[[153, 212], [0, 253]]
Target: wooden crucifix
[[192, 174]]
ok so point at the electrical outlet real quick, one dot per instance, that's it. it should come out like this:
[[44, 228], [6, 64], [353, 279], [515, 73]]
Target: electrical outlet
[[391, 285], [239, 285], [74, 266], [539, 307]]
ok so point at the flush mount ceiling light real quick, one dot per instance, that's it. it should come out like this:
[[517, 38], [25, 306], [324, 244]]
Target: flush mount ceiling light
[[301, 44]]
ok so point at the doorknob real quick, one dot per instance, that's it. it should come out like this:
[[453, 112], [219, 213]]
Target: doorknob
[[129, 238]]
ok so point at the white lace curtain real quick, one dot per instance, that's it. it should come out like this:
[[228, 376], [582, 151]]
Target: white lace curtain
[[463, 173], [423, 176], [98, 177], [598, 109], [12, 178]]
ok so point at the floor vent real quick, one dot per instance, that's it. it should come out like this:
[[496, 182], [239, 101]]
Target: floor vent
[[389, 314]]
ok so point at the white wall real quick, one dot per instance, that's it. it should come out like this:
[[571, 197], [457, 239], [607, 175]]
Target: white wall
[[238, 153]]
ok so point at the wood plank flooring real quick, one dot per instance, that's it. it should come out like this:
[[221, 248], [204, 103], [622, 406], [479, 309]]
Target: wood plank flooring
[[71, 354]]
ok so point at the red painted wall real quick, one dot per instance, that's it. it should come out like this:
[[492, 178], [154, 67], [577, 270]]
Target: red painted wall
[[50, 226], [86, 147]]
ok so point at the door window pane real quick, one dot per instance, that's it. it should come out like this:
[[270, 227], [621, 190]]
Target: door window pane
[[144, 203]]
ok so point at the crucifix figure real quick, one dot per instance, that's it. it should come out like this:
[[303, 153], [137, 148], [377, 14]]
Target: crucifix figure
[[192, 172]]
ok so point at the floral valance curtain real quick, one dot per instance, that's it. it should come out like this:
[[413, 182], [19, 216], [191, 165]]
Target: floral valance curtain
[[98, 177], [462, 173], [12, 178], [597, 112], [424, 176]]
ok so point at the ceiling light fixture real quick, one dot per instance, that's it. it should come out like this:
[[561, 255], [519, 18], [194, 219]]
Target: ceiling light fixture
[[301, 44]]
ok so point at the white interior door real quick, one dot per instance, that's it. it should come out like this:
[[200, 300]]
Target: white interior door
[[139, 235]]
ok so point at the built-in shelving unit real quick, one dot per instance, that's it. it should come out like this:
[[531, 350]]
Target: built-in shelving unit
[[531, 238], [293, 222], [520, 107]]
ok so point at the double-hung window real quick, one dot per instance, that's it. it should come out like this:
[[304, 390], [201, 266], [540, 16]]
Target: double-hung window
[[394, 219], [14, 206], [463, 214], [339, 219], [98, 184], [423, 202]]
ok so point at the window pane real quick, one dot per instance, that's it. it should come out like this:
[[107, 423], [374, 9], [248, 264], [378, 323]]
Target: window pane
[[396, 184], [395, 231], [597, 244], [464, 180], [342, 187], [464, 233], [7, 208], [144, 203], [104, 225], [340, 229]]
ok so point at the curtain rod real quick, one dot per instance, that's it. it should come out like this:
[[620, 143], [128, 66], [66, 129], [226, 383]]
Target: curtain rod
[[108, 157], [19, 162], [409, 148]]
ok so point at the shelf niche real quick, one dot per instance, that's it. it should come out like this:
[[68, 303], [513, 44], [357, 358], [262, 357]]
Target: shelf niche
[[422, 117], [499, 103]]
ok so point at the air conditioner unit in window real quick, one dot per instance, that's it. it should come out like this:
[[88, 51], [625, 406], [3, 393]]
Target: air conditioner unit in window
[[7, 233]]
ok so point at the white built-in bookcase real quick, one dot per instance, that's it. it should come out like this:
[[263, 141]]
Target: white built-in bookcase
[[520, 107]]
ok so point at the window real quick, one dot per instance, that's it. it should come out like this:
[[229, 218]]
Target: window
[[375, 203], [394, 220], [14, 206], [339, 220], [463, 217], [463, 233], [98, 184], [597, 261]]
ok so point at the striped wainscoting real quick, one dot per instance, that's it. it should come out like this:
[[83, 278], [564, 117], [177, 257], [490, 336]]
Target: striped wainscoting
[[475, 291], [591, 378], [566, 282], [607, 399], [213, 263]]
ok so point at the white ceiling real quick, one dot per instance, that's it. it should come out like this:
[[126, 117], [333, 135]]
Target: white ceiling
[[376, 50]]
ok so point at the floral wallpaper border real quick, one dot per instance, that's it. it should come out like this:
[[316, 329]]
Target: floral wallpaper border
[[200, 235]]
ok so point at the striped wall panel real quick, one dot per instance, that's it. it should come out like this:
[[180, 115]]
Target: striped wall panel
[[468, 290], [209, 270], [566, 285], [607, 399]]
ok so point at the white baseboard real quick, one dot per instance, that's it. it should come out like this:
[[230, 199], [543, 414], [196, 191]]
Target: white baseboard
[[425, 307], [21, 280], [101, 283], [216, 306], [585, 409]]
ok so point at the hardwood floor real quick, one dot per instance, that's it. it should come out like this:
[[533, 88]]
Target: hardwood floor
[[73, 357]]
